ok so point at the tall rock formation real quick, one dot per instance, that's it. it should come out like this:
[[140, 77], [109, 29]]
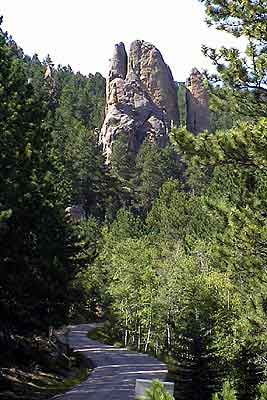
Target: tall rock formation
[[197, 103], [141, 98]]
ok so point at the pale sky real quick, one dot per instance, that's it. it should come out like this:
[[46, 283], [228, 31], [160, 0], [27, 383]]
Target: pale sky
[[82, 33]]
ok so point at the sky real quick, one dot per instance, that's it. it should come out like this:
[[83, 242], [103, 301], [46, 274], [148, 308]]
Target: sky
[[82, 33]]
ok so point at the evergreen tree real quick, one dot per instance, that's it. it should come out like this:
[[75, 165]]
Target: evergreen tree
[[35, 274], [123, 164], [244, 77], [154, 166]]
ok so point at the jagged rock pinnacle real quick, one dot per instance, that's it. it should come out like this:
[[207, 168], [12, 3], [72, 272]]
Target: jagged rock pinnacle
[[141, 98], [197, 103]]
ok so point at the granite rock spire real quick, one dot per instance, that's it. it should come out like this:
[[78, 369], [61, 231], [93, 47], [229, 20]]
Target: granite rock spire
[[197, 103], [141, 98]]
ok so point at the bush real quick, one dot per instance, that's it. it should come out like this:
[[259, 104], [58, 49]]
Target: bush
[[157, 392]]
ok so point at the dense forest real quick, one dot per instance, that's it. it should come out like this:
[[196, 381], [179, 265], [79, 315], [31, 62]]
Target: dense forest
[[172, 248]]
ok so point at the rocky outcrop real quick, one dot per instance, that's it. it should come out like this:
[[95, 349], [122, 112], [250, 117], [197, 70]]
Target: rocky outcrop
[[197, 104], [141, 98], [118, 67]]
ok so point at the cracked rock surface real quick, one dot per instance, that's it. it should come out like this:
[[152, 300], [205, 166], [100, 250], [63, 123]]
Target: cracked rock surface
[[197, 103], [141, 98]]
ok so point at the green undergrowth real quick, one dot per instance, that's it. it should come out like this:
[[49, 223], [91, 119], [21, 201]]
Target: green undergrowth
[[106, 334], [38, 372], [179, 373]]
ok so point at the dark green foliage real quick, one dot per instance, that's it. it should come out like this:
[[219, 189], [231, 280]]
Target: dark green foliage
[[80, 98], [154, 166], [32, 240], [141, 176], [221, 105], [49, 160], [122, 159], [244, 77], [192, 284], [174, 244]]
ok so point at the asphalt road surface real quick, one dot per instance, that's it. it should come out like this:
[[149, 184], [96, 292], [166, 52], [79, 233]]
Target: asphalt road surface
[[115, 370]]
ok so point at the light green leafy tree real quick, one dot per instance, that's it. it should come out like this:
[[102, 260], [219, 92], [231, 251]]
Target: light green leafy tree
[[227, 393], [157, 392]]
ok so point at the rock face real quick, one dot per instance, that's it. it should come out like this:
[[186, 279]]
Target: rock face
[[197, 103], [141, 98]]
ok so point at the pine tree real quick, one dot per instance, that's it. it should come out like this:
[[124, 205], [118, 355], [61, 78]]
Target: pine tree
[[154, 167], [34, 279], [244, 77]]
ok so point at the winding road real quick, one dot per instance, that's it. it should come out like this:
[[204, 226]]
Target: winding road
[[115, 369]]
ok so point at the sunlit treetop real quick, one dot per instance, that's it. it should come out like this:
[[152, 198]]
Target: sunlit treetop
[[243, 17]]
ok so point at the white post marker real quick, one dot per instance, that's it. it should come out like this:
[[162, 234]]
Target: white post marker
[[142, 385]]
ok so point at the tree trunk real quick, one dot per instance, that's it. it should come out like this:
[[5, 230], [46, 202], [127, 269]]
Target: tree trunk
[[139, 338], [168, 336], [148, 338]]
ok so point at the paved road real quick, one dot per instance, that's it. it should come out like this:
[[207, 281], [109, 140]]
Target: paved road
[[115, 370]]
